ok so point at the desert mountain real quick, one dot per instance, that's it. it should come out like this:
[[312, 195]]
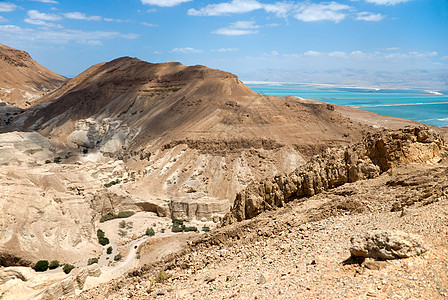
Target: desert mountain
[[191, 130], [23, 81]]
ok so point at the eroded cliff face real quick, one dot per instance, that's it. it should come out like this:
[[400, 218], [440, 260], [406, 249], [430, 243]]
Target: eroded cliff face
[[376, 153]]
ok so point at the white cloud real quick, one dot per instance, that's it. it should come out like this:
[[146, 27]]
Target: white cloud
[[238, 28], [36, 15], [47, 1], [225, 8], [370, 17], [186, 50], [387, 2], [7, 7], [332, 11], [2, 20], [115, 20], [226, 50], [311, 53], [244, 25], [149, 24], [164, 3], [41, 23], [281, 9], [76, 15], [64, 36], [337, 54]]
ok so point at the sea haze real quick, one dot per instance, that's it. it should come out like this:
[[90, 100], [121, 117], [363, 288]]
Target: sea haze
[[429, 107]]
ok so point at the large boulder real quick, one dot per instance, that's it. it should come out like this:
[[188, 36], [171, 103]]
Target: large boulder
[[383, 245]]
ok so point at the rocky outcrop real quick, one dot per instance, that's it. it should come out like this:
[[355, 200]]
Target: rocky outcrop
[[375, 154], [386, 245]]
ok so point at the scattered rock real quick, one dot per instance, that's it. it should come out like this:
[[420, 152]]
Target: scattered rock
[[386, 245]]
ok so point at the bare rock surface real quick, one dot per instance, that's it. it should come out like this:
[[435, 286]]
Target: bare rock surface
[[386, 245], [375, 154]]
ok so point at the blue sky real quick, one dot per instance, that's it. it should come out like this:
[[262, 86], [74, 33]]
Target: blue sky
[[240, 36]]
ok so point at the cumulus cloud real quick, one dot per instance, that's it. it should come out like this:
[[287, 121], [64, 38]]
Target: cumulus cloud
[[36, 15], [238, 28], [64, 36], [387, 2], [76, 15], [332, 11], [311, 53], [164, 3], [7, 7], [369, 17], [41, 23], [187, 50]]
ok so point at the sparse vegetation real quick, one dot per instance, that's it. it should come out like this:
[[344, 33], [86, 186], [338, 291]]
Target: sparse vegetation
[[41, 266], [93, 260], [53, 264], [121, 215], [85, 151], [117, 257], [150, 231], [205, 228], [48, 161], [67, 268], [122, 232], [102, 239], [161, 277], [109, 250], [57, 160], [178, 226], [113, 182]]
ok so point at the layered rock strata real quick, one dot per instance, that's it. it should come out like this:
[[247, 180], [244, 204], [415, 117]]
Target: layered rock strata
[[375, 154]]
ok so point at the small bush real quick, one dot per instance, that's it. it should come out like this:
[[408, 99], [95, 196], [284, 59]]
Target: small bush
[[150, 231], [85, 151], [107, 218], [117, 257], [125, 214], [53, 265], [162, 230], [161, 277], [68, 268], [177, 222], [100, 233], [48, 161], [41, 266], [205, 228], [176, 229], [122, 224], [103, 241], [57, 159], [109, 250], [91, 261]]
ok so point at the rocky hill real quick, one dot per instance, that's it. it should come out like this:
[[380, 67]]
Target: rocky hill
[[23, 81], [307, 248]]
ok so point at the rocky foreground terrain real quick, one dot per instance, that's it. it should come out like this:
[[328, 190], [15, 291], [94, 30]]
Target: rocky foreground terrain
[[169, 142], [302, 250]]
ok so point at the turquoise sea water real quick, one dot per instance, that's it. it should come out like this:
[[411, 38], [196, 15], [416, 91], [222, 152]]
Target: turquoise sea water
[[429, 107]]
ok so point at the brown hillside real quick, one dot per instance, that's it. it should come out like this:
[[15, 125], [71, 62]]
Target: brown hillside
[[192, 130], [23, 81]]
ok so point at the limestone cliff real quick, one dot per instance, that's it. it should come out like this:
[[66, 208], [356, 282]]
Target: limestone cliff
[[375, 154]]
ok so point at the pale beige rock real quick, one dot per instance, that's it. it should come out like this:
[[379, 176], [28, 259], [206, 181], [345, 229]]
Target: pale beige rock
[[387, 245]]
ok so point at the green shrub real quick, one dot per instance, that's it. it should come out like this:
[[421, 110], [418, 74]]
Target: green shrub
[[41, 266], [176, 229], [67, 268], [150, 231], [190, 228], [177, 222], [103, 241], [85, 150], [205, 228], [57, 159], [161, 276], [109, 250], [125, 214], [117, 257], [53, 265], [48, 161], [100, 233], [91, 261]]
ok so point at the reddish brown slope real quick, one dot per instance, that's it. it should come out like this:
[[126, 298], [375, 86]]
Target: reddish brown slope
[[22, 80]]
